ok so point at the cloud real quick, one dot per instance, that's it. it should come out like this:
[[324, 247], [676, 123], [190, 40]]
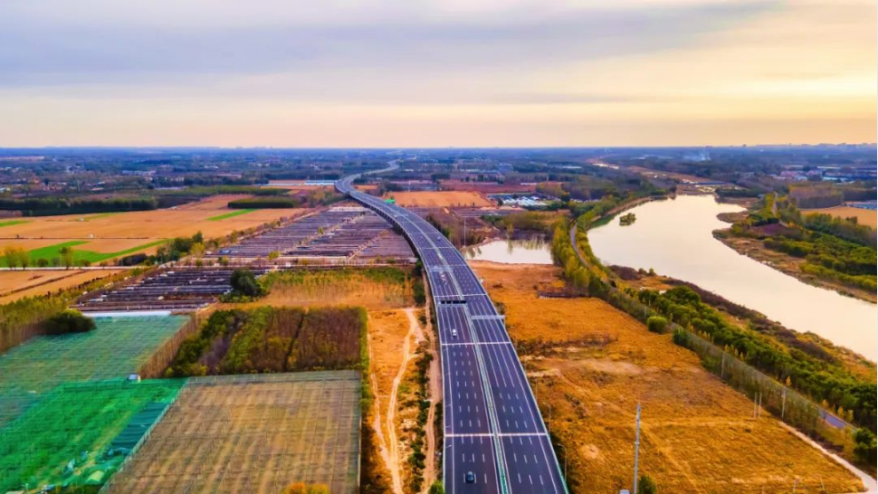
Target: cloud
[[39, 47]]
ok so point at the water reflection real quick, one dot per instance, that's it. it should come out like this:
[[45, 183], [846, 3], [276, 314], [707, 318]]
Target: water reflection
[[531, 250], [675, 238]]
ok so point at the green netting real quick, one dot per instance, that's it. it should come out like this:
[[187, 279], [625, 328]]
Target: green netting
[[65, 438], [117, 347], [139, 424]]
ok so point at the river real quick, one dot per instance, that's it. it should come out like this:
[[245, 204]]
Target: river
[[675, 238]]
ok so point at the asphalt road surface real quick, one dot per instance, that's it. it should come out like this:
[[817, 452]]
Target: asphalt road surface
[[495, 438]]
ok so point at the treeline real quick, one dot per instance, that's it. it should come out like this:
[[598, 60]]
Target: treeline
[[817, 196], [847, 229], [574, 271], [46, 206], [179, 247], [270, 339], [532, 221], [724, 193], [215, 190], [822, 195], [154, 199], [264, 203], [823, 380]]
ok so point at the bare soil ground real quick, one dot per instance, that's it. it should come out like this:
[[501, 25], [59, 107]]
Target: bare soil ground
[[15, 285], [863, 216], [698, 435], [440, 199]]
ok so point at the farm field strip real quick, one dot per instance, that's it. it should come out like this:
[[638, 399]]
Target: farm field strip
[[116, 348], [255, 434], [15, 285], [231, 215], [12, 223], [54, 252], [114, 232], [440, 199]]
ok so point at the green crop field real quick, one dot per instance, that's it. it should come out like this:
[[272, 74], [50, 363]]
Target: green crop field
[[230, 215], [117, 347], [64, 439], [11, 223], [253, 433], [54, 251]]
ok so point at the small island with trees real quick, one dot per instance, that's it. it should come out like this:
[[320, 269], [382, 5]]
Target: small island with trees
[[627, 219]]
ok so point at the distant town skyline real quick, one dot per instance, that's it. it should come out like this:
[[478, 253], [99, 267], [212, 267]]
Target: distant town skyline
[[461, 73]]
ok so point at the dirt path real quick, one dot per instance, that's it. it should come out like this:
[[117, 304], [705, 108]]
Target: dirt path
[[376, 425], [390, 448]]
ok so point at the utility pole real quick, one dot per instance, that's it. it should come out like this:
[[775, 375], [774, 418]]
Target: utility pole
[[636, 447], [464, 232]]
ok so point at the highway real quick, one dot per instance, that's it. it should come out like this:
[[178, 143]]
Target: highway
[[495, 437]]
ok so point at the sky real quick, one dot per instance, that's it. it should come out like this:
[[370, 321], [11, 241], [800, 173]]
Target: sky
[[419, 73]]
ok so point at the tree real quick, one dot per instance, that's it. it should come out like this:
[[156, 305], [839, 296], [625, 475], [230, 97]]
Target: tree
[[11, 255], [296, 488], [67, 257], [68, 321], [273, 255], [864, 447], [244, 283], [318, 489], [646, 485], [197, 249], [657, 324], [437, 488]]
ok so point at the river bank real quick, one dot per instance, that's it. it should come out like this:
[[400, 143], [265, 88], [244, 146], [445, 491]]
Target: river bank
[[675, 238]]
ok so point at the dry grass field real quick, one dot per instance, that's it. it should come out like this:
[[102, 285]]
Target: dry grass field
[[863, 216], [698, 435], [333, 288], [19, 284], [443, 199], [115, 232]]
